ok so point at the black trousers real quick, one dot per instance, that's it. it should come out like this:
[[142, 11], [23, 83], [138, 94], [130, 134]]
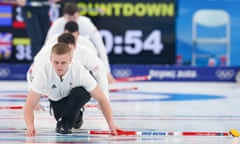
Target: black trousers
[[67, 107], [37, 25]]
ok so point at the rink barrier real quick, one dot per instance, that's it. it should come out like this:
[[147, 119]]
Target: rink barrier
[[153, 72]]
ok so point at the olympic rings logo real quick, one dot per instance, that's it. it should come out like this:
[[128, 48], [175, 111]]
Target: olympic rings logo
[[122, 72], [4, 72], [225, 74]]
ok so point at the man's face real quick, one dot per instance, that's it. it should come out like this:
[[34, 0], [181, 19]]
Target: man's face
[[60, 63], [71, 17]]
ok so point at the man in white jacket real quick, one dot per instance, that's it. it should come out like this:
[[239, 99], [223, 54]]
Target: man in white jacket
[[68, 86], [81, 53], [83, 57], [86, 28]]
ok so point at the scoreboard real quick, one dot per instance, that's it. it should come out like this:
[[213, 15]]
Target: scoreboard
[[134, 32]]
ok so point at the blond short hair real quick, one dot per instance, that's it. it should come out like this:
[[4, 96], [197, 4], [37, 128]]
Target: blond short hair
[[60, 49]]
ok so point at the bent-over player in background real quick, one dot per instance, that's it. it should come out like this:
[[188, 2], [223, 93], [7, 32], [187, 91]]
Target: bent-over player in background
[[86, 28]]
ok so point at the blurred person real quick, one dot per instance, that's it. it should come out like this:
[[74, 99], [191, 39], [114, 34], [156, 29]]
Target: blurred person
[[68, 87], [72, 27], [36, 18], [86, 28]]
